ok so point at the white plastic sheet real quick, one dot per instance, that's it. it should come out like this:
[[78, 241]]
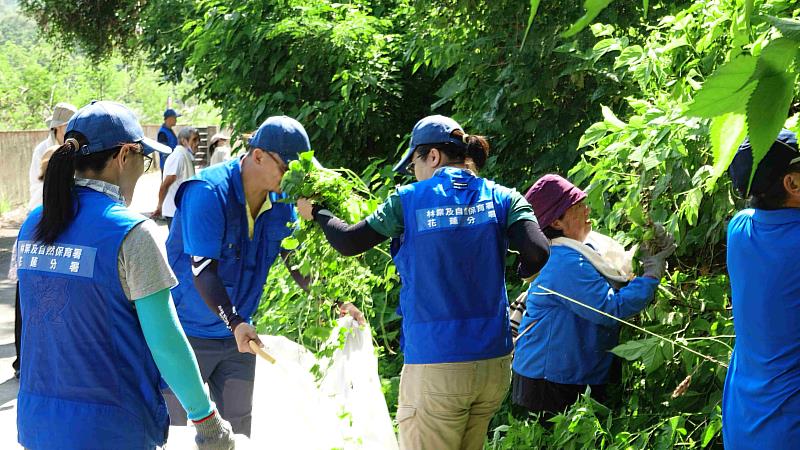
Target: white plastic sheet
[[291, 410]]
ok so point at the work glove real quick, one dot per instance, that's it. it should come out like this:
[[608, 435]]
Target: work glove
[[213, 433], [656, 253]]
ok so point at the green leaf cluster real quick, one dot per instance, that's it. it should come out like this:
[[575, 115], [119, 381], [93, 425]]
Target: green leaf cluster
[[751, 95]]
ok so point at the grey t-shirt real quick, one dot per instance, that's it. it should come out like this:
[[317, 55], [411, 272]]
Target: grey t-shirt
[[142, 262]]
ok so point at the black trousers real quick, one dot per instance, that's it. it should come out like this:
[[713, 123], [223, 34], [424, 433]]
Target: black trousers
[[17, 328], [546, 398], [230, 375]]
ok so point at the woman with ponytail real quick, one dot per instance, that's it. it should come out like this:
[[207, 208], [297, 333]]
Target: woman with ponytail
[[100, 329], [451, 230]]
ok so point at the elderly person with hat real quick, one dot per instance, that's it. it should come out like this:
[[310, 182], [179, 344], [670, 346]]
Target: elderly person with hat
[[225, 236], [564, 347], [100, 327], [451, 230], [178, 167], [761, 397], [56, 123], [218, 148]]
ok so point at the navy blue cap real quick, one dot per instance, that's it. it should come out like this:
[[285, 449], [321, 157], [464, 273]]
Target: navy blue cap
[[781, 155], [430, 130], [171, 113], [282, 135], [109, 124]]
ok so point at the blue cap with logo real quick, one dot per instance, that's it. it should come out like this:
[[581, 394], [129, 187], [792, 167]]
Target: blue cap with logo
[[782, 154], [430, 130], [171, 113], [109, 124], [282, 135]]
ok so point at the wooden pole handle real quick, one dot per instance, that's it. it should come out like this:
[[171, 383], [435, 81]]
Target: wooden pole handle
[[260, 352]]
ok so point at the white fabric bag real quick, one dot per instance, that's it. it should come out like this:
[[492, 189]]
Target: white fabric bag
[[345, 409]]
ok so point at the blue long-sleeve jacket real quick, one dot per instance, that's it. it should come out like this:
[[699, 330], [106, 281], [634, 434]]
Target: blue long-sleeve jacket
[[569, 344], [761, 399]]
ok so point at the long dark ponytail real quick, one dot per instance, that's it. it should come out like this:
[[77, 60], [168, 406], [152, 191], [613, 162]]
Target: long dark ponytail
[[58, 199]]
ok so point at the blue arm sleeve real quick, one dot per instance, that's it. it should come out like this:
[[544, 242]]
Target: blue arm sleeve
[[582, 282], [202, 220], [172, 353]]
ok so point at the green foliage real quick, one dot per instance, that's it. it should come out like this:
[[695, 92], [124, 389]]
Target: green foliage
[[36, 74], [593, 9], [534, 101], [369, 280], [100, 27], [722, 93], [335, 67], [762, 87], [531, 16], [307, 178], [727, 132]]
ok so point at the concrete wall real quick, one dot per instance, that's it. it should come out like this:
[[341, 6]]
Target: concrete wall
[[16, 148]]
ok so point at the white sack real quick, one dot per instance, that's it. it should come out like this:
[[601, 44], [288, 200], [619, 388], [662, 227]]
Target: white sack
[[346, 409]]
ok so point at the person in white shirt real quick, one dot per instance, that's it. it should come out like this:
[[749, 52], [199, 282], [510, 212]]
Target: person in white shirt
[[56, 123], [178, 167], [219, 149]]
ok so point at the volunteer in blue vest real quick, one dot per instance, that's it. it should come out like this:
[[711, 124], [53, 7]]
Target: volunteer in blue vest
[[452, 230], [564, 347], [166, 136], [100, 326], [226, 234], [761, 398]]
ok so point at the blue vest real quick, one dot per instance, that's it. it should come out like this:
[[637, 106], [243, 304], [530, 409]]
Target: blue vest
[[452, 260], [172, 142], [88, 378], [244, 263]]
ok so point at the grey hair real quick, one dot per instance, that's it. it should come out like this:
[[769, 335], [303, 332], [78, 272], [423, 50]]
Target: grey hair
[[186, 133]]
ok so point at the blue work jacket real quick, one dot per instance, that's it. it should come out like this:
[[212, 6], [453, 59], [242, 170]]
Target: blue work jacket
[[453, 297], [172, 142], [88, 379], [568, 343], [211, 221], [761, 398]]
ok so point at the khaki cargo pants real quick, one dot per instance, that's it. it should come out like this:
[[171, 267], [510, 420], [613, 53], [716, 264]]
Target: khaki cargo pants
[[448, 406]]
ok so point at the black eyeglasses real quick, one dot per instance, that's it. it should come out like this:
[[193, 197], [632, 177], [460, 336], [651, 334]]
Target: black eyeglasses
[[148, 160], [281, 165], [410, 166]]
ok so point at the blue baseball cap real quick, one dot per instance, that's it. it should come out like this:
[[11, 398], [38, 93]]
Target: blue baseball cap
[[430, 130], [282, 135], [782, 154], [109, 124], [171, 113]]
